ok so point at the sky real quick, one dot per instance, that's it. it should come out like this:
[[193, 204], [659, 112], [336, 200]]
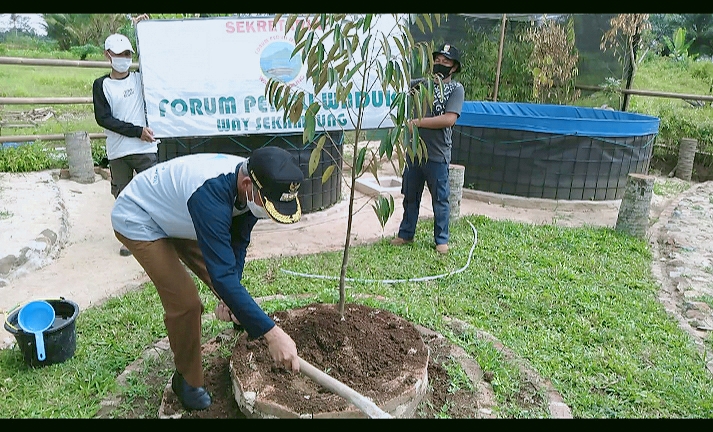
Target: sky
[[35, 22]]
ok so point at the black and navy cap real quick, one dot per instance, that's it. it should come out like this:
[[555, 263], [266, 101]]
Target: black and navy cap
[[450, 52], [277, 176]]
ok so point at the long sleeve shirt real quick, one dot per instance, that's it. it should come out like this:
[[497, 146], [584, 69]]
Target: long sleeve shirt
[[120, 109], [193, 197]]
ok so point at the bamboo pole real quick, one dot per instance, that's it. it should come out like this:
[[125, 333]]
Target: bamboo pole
[[57, 137], [44, 100], [651, 93], [58, 62], [500, 59]]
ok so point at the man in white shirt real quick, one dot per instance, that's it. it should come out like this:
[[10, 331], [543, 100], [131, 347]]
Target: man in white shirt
[[119, 107]]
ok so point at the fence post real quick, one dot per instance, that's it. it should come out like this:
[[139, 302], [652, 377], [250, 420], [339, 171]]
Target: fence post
[[79, 157], [456, 176], [686, 155], [633, 217]]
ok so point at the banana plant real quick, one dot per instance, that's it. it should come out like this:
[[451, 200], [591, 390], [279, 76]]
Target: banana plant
[[348, 55], [678, 45]]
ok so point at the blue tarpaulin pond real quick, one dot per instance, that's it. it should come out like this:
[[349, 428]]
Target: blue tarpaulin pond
[[551, 151]]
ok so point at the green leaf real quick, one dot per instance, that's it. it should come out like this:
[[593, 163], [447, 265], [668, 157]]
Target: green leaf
[[330, 55], [276, 20], [383, 208], [360, 160], [367, 21], [327, 173], [321, 80], [401, 48], [419, 24], [386, 146], [427, 17], [425, 62], [373, 167], [398, 76], [365, 46], [314, 158], [290, 21], [299, 48], [299, 33], [310, 123], [308, 41], [269, 88], [348, 88], [354, 70], [414, 139], [332, 78], [296, 108], [385, 47], [347, 28]]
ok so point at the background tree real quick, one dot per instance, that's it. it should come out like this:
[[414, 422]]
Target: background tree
[[553, 61], [479, 51], [625, 37], [82, 29], [698, 27], [357, 49], [20, 24], [678, 45]]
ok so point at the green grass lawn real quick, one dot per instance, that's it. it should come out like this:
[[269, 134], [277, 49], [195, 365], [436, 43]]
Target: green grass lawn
[[579, 304]]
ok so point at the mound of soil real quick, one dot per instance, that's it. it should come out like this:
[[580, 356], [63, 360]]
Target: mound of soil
[[373, 351], [369, 351]]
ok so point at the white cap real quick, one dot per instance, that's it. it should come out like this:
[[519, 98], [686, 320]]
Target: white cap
[[118, 43]]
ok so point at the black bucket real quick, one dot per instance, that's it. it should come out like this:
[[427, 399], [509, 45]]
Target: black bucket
[[60, 339]]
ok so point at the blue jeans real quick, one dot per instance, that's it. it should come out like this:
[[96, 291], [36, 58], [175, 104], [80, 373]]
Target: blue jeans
[[435, 175]]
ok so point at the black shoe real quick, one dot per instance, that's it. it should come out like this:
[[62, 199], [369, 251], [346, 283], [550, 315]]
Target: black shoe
[[123, 251], [192, 398]]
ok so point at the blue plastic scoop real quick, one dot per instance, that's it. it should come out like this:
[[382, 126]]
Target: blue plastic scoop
[[36, 317]]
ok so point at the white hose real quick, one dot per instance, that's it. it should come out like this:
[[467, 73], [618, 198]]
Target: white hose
[[393, 281]]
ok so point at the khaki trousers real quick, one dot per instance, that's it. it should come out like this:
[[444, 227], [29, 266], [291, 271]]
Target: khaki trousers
[[162, 260]]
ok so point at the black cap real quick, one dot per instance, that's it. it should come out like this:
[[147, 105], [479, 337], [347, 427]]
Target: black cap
[[450, 52], [277, 176]]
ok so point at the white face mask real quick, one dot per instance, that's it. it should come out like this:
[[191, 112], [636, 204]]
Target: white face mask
[[120, 64], [257, 211]]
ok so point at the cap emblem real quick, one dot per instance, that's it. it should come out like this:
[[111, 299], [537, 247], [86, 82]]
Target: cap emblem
[[292, 194]]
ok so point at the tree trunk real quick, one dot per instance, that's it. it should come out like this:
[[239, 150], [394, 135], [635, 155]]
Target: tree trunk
[[631, 69], [79, 157], [686, 155], [633, 217], [456, 175]]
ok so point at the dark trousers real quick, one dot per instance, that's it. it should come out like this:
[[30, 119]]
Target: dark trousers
[[435, 175], [122, 169], [162, 260]]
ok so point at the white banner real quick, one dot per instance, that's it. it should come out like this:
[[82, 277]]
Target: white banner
[[207, 77]]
